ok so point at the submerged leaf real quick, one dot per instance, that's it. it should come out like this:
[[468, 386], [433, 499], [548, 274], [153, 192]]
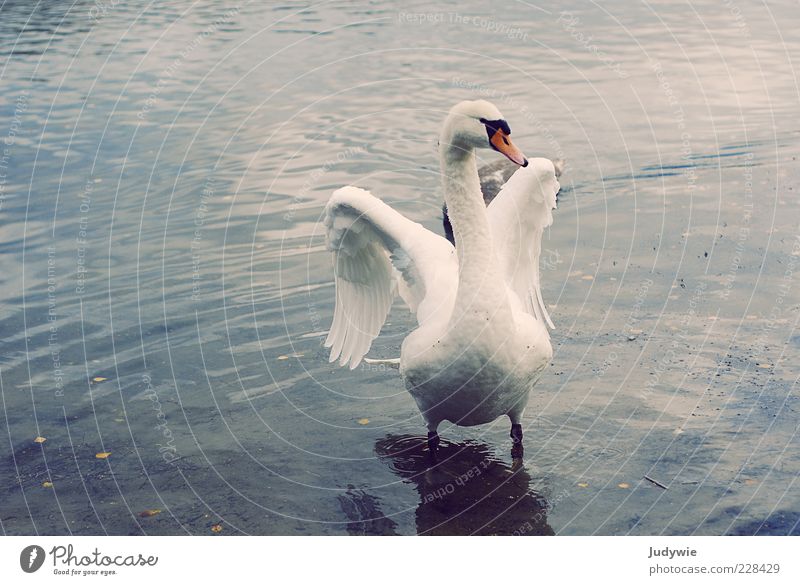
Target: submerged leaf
[[149, 513], [363, 421], [103, 455]]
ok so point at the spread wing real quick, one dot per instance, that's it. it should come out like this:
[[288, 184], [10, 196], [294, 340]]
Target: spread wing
[[518, 216], [376, 252], [493, 176]]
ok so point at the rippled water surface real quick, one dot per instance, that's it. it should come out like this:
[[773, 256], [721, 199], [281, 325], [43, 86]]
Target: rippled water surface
[[165, 287]]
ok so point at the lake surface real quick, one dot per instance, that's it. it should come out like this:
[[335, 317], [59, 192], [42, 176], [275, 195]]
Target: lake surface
[[166, 290]]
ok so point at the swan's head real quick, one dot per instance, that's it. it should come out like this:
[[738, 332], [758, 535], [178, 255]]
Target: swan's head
[[479, 124]]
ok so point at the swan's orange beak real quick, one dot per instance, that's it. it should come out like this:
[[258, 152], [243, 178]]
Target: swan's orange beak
[[501, 142]]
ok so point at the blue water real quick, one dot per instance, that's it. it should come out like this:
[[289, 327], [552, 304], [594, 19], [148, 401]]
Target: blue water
[[165, 288]]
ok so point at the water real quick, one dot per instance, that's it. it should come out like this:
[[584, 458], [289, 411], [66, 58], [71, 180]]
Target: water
[[165, 288]]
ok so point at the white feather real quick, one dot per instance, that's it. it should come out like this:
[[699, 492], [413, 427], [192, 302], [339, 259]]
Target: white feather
[[375, 249], [517, 218]]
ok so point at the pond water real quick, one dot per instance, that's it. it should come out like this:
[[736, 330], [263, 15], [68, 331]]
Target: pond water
[[166, 289]]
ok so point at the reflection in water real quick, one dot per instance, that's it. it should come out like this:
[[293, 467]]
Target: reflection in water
[[363, 511], [466, 490]]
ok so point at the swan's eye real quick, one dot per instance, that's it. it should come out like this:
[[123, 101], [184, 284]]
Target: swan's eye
[[496, 130], [492, 126]]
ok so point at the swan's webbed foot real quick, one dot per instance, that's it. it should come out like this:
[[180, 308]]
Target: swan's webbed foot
[[516, 439], [433, 441]]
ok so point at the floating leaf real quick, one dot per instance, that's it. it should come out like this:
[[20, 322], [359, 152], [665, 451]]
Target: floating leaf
[[47, 484], [750, 481], [283, 357], [764, 366], [39, 440], [587, 277], [149, 513], [103, 455], [624, 485], [99, 379], [363, 421], [583, 484], [216, 528]]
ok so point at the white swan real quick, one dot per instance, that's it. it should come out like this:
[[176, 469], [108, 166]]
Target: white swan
[[482, 340]]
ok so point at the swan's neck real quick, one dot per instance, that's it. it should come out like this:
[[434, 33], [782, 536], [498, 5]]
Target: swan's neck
[[467, 211]]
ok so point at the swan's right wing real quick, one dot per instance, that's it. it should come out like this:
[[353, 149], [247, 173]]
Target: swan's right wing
[[493, 176], [517, 219], [376, 250], [496, 174]]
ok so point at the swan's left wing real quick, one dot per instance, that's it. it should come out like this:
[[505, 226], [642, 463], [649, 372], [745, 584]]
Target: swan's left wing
[[376, 251], [518, 216]]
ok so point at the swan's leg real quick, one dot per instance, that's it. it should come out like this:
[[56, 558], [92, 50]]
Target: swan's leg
[[433, 437], [516, 439], [433, 441], [516, 435]]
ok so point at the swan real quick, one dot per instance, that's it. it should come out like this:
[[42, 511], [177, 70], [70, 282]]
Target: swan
[[482, 338]]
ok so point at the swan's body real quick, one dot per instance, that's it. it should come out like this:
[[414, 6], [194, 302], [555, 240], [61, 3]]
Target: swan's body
[[482, 340]]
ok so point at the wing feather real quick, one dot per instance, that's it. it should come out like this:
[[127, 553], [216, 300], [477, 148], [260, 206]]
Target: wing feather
[[376, 249], [518, 216]]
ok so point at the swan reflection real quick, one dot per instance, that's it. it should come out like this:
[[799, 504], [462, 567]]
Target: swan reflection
[[466, 490]]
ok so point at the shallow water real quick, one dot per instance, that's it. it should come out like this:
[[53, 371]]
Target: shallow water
[[165, 288]]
